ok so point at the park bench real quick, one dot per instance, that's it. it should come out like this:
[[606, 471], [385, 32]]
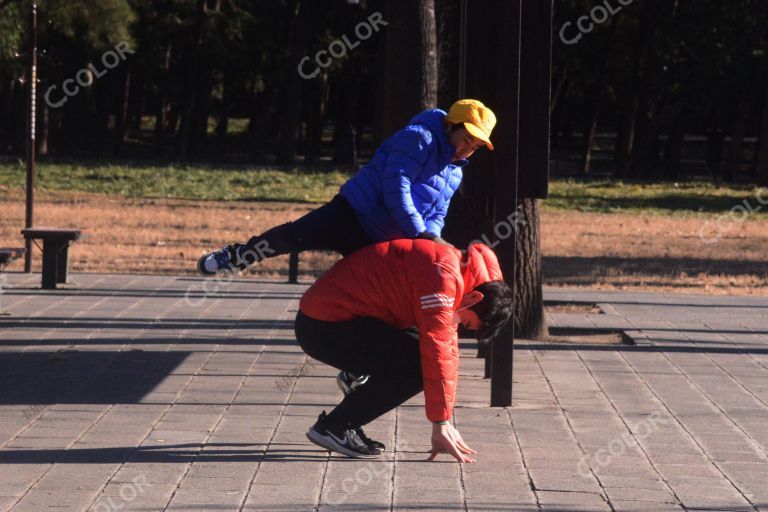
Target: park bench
[[55, 252]]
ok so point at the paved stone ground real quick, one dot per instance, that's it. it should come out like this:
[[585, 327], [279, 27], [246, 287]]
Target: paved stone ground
[[127, 392]]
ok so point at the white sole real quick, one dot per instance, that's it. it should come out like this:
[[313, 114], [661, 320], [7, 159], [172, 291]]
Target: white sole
[[201, 266], [329, 444]]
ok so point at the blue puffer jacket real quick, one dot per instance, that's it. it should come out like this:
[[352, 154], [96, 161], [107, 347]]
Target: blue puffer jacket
[[407, 186]]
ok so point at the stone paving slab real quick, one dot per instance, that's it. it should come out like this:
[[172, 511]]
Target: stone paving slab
[[132, 392]]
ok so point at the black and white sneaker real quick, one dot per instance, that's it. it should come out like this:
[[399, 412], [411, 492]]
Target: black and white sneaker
[[225, 259], [344, 441], [232, 258], [367, 440], [348, 382]]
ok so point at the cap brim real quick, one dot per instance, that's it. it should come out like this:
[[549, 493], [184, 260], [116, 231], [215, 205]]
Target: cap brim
[[478, 134]]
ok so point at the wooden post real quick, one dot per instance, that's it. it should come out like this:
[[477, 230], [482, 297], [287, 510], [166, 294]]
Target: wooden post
[[535, 88], [515, 82], [293, 268], [505, 172], [51, 248]]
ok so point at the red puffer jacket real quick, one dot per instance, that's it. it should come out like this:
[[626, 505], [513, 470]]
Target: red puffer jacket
[[406, 283]]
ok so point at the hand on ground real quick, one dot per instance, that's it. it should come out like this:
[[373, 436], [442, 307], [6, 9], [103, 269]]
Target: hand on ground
[[446, 439]]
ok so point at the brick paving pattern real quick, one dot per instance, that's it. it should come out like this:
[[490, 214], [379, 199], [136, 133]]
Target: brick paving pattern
[[130, 392]]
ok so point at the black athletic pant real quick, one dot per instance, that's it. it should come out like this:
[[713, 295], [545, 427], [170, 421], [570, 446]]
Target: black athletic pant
[[364, 346], [332, 227]]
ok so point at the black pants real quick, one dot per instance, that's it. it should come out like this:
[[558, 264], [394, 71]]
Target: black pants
[[332, 227], [364, 346]]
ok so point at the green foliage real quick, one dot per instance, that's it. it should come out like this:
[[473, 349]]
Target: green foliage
[[99, 24], [11, 26]]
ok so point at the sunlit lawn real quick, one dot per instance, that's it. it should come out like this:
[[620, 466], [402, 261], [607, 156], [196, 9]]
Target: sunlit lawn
[[298, 185]]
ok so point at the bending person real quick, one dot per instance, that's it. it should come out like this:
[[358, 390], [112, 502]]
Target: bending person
[[403, 192], [357, 318]]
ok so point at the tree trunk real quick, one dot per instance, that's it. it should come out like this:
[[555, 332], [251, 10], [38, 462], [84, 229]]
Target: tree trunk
[[192, 58], [400, 99], [588, 138], [136, 99], [222, 126], [290, 119], [174, 116], [318, 114], [449, 36], [199, 134], [595, 101], [104, 104], [736, 148], [161, 115], [762, 159], [529, 321], [564, 134], [6, 109], [344, 135], [43, 148], [625, 139], [559, 91], [560, 118], [121, 113], [428, 53], [673, 149], [19, 134]]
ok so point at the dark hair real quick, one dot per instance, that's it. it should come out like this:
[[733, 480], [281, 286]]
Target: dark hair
[[495, 309], [452, 127]]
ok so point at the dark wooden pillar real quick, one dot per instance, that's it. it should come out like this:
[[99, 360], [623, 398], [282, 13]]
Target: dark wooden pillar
[[293, 268], [510, 71], [505, 166]]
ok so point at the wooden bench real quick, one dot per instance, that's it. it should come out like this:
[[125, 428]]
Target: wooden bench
[[55, 252]]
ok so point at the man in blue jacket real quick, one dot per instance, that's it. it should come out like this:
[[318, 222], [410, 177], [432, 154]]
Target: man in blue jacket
[[403, 192]]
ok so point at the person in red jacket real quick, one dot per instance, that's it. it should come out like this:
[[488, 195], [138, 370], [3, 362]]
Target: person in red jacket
[[357, 316]]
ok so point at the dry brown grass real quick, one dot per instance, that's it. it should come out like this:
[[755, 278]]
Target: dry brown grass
[[653, 252], [580, 249], [151, 235]]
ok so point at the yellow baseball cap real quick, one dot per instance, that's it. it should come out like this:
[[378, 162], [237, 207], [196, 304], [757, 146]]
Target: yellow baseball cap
[[478, 119]]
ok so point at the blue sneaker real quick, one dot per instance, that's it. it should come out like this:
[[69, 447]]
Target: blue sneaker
[[225, 259]]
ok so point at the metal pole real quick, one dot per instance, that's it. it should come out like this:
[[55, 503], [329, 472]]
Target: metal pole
[[31, 142]]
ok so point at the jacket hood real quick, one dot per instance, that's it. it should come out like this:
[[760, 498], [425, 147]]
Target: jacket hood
[[434, 121], [479, 265]]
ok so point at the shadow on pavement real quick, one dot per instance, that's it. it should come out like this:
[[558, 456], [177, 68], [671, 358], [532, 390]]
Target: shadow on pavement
[[185, 453], [56, 322], [77, 377], [693, 349]]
